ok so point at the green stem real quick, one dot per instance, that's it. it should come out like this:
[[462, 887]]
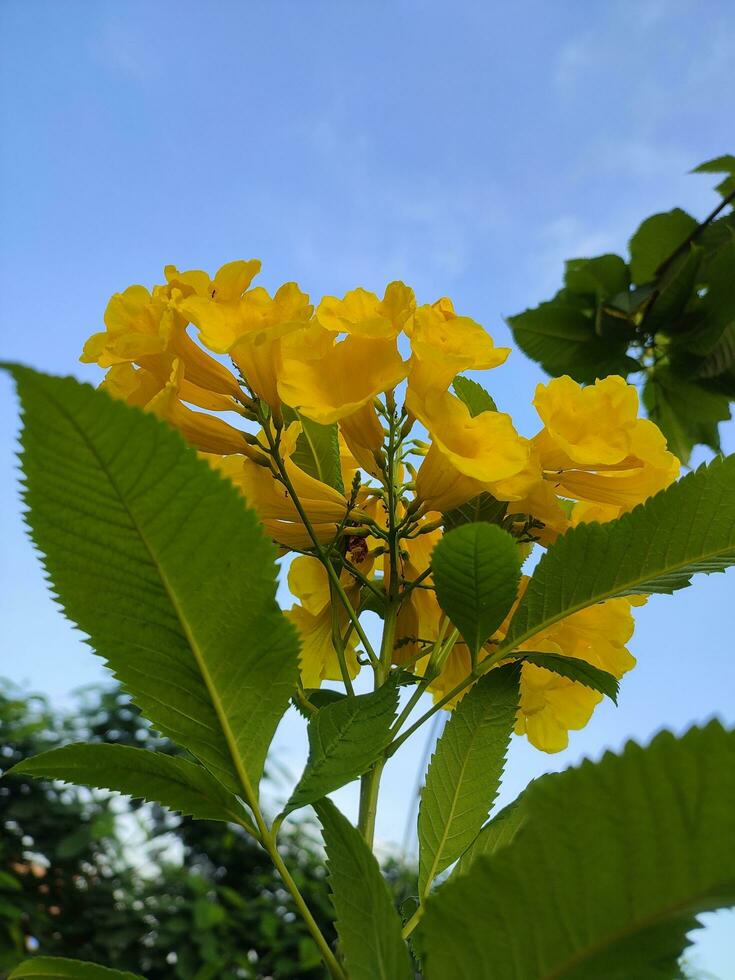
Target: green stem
[[338, 644]]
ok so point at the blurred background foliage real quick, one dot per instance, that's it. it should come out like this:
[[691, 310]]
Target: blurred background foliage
[[91, 876], [665, 317]]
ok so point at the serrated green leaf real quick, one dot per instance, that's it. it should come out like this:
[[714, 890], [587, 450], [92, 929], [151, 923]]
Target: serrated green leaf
[[317, 452], [576, 670], [602, 276], [464, 773], [56, 968], [612, 865], [484, 507], [476, 571], [368, 924], [687, 528], [563, 340], [656, 239], [473, 395], [720, 165], [141, 773], [345, 738], [157, 559], [496, 834]]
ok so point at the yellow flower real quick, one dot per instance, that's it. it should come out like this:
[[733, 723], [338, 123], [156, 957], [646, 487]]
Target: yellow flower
[[145, 328], [138, 386], [362, 314], [308, 581], [593, 447], [324, 506], [249, 326], [444, 344]]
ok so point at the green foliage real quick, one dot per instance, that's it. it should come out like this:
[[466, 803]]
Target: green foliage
[[465, 771], [496, 834], [317, 452], [483, 508], [473, 395], [55, 968], [605, 878], [576, 670], [476, 571], [345, 738], [669, 312], [143, 774], [368, 925], [157, 559], [687, 528]]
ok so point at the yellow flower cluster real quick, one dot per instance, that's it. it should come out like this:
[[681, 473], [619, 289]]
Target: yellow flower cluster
[[279, 367]]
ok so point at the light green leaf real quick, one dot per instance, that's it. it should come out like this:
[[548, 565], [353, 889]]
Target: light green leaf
[[606, 876], [688, 528], [495, 835], [656, 239], [720, 165], [345, 738], [317, 452], [576, 670], [368, 924], [143, 774], [473, 395], [464, 774], [56, 968], [157, 559], [476, 571]]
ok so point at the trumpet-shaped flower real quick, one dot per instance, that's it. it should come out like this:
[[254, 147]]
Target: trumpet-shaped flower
[[308, 581], [362, 314]]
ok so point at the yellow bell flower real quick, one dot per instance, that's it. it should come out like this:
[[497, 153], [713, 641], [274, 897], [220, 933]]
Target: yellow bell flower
[[444, 344], [249, 326], [349, 374], [362, 314], [145, 328], [138, 386], [308, 581]]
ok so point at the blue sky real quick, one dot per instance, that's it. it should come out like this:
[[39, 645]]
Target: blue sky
[[467, 150]]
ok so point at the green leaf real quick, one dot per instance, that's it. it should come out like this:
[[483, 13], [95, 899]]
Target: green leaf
[[143, 774], [464, 774], [473, 395], [687, 528], [368, 924], [576, 670], [607, 875], [345, 738], [56, 968], [476, 571], [685, 412], [484, 507], [602, 277], [562, 338], [675, 289], [720, 165], [656, 239], [317, 452], [157, 559], [495, 835]]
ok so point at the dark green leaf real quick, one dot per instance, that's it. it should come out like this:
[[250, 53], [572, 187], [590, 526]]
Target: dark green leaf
[[685, 412], [157, 559], [656, 239], [675, 290], [140, 773], [688, 528], [482, 508], [473, 395], [602, 277], [464, 774], [496, 834], [476, 571], [576, 670], [345, 738], [368, 925], [612, 865], [56, 968]]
